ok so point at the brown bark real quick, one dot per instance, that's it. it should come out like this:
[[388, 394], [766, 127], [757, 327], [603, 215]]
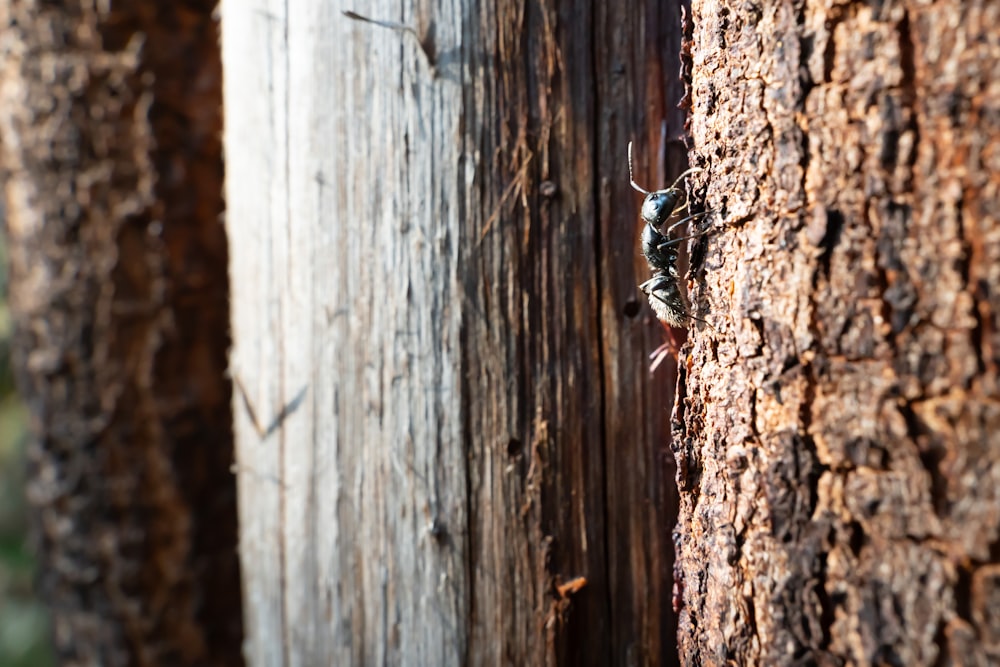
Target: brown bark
[[837, 437], [110, 124]]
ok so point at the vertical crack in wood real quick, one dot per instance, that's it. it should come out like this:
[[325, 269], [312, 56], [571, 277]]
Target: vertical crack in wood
[[599, 281]]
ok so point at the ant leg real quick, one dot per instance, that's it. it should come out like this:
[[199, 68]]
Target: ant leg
[[680, 208], [650, 286], [684, 220], [705, 322], [669, 348], [666, 244], [665, 302]]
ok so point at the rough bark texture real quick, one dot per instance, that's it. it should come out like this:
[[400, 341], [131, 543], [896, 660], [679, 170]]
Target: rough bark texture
[[110, 124], [447, 419], [837, 437]]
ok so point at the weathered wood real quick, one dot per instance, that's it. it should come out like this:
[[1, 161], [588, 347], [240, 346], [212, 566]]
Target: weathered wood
[[838, 438], [110, 122], [447, 418], [639, 89]]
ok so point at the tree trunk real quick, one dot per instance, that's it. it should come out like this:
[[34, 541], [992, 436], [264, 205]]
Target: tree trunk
[[449, 448], [110, 125], [837, 436]]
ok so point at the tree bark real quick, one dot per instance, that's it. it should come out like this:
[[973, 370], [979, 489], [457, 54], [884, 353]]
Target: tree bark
[[837, 436], [449, 448], [110, 122]]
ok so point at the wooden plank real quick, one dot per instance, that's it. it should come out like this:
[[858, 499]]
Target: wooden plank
[[638, 67], [342, 190], [417, 259]]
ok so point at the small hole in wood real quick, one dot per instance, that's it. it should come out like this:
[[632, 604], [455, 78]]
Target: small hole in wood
[[631, 308], [513, 447]]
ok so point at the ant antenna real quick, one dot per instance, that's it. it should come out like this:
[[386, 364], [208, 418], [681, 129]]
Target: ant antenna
[[635, 186], [692, 170], [639, 188]]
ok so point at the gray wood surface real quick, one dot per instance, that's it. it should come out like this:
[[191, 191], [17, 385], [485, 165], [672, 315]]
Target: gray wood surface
[[342, 191]]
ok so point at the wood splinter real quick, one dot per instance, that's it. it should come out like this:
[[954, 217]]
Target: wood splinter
[[571, 587]]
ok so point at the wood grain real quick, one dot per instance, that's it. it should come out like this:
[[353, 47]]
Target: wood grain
[[434, 264]]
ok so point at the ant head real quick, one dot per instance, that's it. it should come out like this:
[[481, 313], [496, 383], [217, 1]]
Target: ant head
[[658, 206]]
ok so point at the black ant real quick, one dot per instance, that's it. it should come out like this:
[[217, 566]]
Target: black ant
[[660, 251]]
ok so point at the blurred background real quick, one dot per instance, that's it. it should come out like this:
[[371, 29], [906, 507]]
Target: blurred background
[[24, 630]]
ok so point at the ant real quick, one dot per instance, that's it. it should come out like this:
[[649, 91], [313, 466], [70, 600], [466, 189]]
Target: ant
[[660, 251]]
